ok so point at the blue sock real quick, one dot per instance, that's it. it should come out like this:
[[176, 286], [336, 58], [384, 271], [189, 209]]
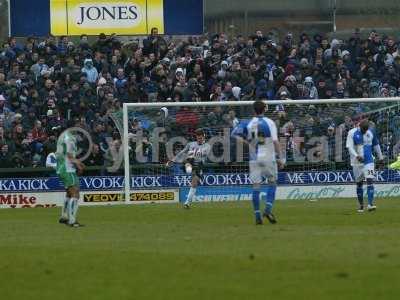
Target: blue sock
[[271, 191], [370, 193], [360, 195], [256, 203]]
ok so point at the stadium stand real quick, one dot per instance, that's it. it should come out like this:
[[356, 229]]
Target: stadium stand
[[49, 84]]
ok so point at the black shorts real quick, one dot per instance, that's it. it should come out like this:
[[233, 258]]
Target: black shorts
[[197, 168]]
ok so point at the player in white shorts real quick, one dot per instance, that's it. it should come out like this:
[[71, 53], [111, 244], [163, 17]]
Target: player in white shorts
[[361, 143], [261, 134]]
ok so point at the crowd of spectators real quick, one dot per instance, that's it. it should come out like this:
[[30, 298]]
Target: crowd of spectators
[[49, 84]]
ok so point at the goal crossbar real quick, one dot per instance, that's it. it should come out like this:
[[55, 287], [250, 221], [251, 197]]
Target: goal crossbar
[[269, 102]]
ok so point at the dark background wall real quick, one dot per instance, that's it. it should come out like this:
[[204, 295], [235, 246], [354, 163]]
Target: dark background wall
[[3, 18], [238, 16], [218, 7]]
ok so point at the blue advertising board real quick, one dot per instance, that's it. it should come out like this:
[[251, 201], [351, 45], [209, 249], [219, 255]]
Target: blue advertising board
[[181, 181], [218, 194]]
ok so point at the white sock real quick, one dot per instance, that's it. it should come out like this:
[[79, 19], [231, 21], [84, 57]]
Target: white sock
[[72, 210], [192, 193], [64, 209]]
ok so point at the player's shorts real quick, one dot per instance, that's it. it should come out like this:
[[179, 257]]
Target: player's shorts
[[197, 168], [263, 170], [362, 172], [69, 179]]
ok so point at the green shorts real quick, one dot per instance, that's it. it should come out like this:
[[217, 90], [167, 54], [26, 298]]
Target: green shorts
[[69, 179]]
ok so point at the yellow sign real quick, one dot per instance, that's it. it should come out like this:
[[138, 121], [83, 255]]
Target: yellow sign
[[103, 197], [91, 17], [154, 196], [145, 196]]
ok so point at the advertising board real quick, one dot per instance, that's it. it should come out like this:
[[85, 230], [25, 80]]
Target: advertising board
[[309, 192], [142, 196], [30, 200], [158, 182], [88, 198], [92, 17], [124, 17]]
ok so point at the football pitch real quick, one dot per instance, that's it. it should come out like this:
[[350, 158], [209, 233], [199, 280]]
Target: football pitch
[[318, 250]]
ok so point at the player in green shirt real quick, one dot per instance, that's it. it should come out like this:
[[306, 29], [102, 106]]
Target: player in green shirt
[[67, 167]]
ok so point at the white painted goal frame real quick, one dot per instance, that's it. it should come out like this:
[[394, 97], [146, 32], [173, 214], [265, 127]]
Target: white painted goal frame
[[127, 106]]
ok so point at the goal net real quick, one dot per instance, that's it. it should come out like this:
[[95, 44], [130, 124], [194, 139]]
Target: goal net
[[312, 134]]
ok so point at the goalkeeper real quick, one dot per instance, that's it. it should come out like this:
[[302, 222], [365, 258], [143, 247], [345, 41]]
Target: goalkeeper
[[395, 165]]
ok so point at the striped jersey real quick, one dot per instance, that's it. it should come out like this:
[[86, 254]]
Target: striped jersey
[[66, 144], [261, 133], [363, 145]]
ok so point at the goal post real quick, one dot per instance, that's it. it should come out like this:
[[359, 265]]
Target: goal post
[[301, 123]]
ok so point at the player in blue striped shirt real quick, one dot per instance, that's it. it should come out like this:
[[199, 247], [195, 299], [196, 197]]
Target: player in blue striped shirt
[[261, 134], [361, 143]]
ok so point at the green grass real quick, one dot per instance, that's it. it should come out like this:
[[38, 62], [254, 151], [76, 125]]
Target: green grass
[[322, 250]]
